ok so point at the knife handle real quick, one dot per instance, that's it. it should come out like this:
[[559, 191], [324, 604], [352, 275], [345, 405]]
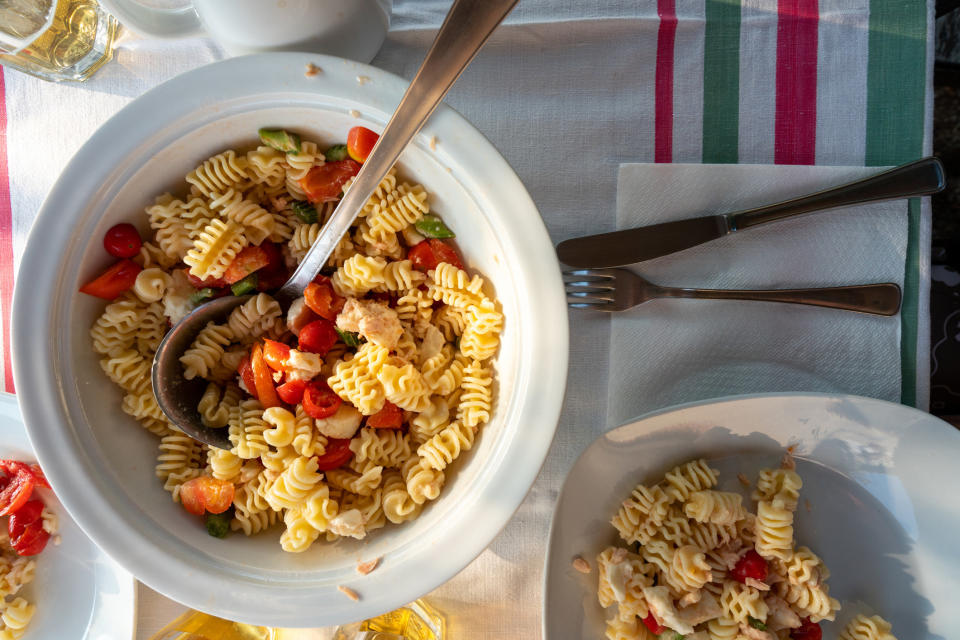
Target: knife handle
[[919, 178]]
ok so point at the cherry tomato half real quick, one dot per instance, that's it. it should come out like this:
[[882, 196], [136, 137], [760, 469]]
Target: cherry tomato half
[[807, 631], [360, 142], [16, 486], [275, 354], [428, 254], [38, 476], [320, 298], [337, 454], [390, 417], [246, 374], [263, 379], [750, 565], [291, 391], [325, 182], [247, 261], [114, 281], [319, 400], [318, 337], [651, 623], [122, 240], [25, 528], [206, 494]]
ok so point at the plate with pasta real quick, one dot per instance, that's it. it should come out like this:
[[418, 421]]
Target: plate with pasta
[[763, 517], [382, 430], [54, 582]]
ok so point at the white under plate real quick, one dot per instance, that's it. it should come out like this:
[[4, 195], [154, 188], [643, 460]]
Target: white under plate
[[79, 591], [880, 479]]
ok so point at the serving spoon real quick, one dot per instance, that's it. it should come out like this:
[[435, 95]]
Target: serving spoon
[[464, 31]]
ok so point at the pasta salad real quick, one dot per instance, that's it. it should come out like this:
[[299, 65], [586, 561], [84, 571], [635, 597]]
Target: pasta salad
[[29, 526], [345, 412], [699, 565]]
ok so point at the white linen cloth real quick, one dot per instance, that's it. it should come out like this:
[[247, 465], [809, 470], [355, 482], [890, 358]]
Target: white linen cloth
[[564, 91], [666, 352]]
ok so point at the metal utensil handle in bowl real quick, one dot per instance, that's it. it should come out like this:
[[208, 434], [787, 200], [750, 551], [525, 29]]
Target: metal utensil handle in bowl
[[920, 178], [465, 29], [880, 299]]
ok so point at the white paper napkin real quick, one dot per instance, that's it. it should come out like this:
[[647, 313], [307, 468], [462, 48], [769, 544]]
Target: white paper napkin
[[666, 352]]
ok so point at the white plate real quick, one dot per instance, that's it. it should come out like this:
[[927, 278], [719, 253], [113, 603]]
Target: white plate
[[79, 591], [102, 463], [880, 477]]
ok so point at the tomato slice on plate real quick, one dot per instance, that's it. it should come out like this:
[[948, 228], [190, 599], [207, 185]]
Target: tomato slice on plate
[[25, 529], [16, 486], [360, 142], [263, 379], [206, 494], [428, 254], [291, 391], [246, 374], [114, 281], [275, 354], [246, 262], [38, 476], [318, 337], [320, 298], [337, 454], [390, 417], [325, 182], [319, 400]]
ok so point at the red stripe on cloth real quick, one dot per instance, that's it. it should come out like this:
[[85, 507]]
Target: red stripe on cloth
[[663, 109], [6, 242], [796, 115]]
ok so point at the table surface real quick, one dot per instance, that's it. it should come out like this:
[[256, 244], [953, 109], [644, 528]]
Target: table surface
[[567, 91]]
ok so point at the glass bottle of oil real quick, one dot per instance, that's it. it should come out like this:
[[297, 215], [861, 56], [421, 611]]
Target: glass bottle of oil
[[415, 621], [55, 39]]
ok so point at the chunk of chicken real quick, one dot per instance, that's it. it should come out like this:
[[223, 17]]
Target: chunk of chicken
[[375, 321], [302, 365], [779, 613], [343, 424], [661, 604], [349, 523], [705, 609]]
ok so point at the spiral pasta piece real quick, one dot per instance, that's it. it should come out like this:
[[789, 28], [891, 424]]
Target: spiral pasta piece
[[446, 446], [864, 627], [206, 350], [687, 478], [718, 507], [477, 397], [219, 173], [774, 530]]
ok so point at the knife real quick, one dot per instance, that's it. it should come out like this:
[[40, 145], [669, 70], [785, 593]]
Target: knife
[[620, 248]]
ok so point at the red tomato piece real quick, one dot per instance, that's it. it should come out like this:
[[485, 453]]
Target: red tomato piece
[[750, 565], [206, 494], [322, 299], [39, 478], [291, 391], [319, 400], [360, 142], [122, 240], [428, 254], [247, 261], [318, 337], [246, 374], [807, 631], [325, 182], [25, 529], [651, 623], [263, 379], [16, 487], [206, 283], [390, 417], [276, 354], [114, 281], [337, 454]]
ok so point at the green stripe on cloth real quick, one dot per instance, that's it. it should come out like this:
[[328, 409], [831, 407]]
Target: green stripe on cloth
[[721, 82], [896, 91]]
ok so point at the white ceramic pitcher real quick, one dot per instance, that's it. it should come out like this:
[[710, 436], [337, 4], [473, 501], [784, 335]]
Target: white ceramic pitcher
[[353, 29]]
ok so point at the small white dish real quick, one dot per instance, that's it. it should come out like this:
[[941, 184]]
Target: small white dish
[[101, 462], [79, 591], [880, 479]]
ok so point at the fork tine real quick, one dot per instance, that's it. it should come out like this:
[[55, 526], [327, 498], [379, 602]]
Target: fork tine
[[588, 287], [583, 297], [591, 275], [595, 306]]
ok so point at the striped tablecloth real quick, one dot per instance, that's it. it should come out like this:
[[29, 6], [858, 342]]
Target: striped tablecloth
[[568, 90]]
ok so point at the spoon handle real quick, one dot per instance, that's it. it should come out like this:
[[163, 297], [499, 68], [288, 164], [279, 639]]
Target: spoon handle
[[466, 28]]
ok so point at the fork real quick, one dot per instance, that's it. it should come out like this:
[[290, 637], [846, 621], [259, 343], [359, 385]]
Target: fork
[[620, 289]]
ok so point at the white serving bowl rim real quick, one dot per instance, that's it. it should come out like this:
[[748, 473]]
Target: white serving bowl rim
[[46, 381]]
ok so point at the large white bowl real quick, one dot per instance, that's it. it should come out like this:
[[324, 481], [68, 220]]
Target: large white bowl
[[101, 462]]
